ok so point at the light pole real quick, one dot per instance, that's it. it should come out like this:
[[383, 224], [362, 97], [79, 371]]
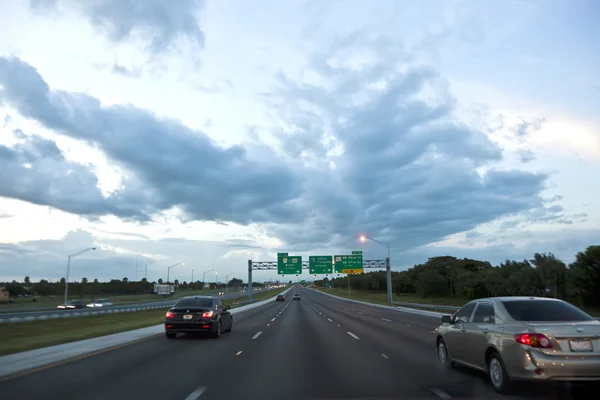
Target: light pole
[[227, 281], [388, 268], [204, 277], [216, 274], [192, 281], [69, 269], [169, 270]]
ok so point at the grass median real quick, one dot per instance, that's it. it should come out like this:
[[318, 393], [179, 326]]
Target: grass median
[[23, 336]]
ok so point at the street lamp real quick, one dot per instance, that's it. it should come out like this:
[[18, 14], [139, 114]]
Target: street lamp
[[227, 281], [204, 277], [388, 267], [169, 270], [69, 269]]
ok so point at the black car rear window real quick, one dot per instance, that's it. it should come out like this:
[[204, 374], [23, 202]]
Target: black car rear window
[[544, 311], [192, 302]]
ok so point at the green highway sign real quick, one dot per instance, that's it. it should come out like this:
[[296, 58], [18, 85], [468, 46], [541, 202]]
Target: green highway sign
[[289, 265], [357, 252], [320, 264], [282, 255], [349, 264]]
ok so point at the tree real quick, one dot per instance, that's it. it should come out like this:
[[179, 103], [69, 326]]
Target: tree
[[432, 283], [62, 280], [553, 274], [125, 280], [96, 280], [26, 280], [160, 281], [176, 281], [84, 280], [584, 273]]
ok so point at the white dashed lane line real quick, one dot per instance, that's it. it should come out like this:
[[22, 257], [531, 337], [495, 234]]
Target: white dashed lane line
[[257, 335], [441, 394], [329, 319], [385, 319], [360, 313], [353, 335], [238, 353], [384, 356], [196, 393]]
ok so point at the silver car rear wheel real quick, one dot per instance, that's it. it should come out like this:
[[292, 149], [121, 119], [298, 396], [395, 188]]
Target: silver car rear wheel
[[498, 376]]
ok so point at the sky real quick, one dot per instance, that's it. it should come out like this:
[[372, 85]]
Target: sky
[[215, 132]]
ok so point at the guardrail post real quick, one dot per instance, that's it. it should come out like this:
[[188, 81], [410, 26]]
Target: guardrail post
[[249, 279], [388, 270]]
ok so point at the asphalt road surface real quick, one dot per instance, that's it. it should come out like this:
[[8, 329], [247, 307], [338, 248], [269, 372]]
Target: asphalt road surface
[[315, 348]]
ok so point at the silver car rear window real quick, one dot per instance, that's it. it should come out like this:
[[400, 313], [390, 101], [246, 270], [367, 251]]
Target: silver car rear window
[[544, 311]]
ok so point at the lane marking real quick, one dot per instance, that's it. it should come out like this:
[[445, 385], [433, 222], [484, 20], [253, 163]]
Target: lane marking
[[257, 335], [329, 319], [440, 393], [384, 356], [338, 324], [238, 353], [77, 358], [432, 331], [360, 313], [353, 335], [273, 320], [407, 324], [196, 393], [268, 324], [386, 320]]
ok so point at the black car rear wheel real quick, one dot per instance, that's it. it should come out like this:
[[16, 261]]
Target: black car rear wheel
[[171, 335], [217, 332], [230, 326]]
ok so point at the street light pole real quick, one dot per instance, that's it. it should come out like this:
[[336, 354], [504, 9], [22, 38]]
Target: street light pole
[[227, 281], [69, 269], [169, 270], [388, 267], [204, 276], [192, 282]]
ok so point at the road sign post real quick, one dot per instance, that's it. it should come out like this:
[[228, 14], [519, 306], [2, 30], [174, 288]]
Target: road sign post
[[320, 264], [288, 265]]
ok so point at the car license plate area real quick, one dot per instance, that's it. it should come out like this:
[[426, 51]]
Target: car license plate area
[[582, 345], [187, 317]]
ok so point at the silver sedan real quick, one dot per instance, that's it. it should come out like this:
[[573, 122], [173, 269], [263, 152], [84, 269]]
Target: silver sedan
[[521, 338]]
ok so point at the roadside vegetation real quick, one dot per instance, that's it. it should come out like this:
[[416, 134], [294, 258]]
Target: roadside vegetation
[[23, 336], [452, 281]]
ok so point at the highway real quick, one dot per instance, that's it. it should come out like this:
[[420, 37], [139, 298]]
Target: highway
[[316, 348], [25, 314]]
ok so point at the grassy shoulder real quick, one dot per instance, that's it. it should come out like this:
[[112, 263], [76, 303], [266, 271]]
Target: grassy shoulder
[[381, 298], [23, 336]]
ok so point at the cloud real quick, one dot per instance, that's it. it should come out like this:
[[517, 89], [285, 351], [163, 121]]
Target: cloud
[[526, 156], [4, 214], [157, 24], [168, 164], [386, 154], [524, 129], [124, 71]]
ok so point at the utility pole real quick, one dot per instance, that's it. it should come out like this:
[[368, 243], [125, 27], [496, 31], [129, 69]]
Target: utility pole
[[137, 259]]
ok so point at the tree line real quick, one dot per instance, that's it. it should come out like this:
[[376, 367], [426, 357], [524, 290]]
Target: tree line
[[114, 287], [447, 276]]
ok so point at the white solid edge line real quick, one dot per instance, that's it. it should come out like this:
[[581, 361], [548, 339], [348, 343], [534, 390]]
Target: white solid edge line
[[353, 335], [329, 319], [385, 319], [359, 312], [441, 394], [384, 356], [257, 335], [273, 319], [196, 393]]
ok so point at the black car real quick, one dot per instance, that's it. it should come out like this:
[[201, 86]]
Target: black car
[[280, 297], [72, 304], [195, 314]]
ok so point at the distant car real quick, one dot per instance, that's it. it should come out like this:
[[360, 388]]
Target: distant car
[[296, 296], [221, 293], [100, 303], [198, 314], [72, 304], [522, 338], [280, 297]]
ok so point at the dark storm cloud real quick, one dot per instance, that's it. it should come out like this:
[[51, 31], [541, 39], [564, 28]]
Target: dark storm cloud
[[36, 171], [408, 172], [159, 24], [168, 164]]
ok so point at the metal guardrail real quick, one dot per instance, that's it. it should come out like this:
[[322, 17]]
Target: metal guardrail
[[46, 315]]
